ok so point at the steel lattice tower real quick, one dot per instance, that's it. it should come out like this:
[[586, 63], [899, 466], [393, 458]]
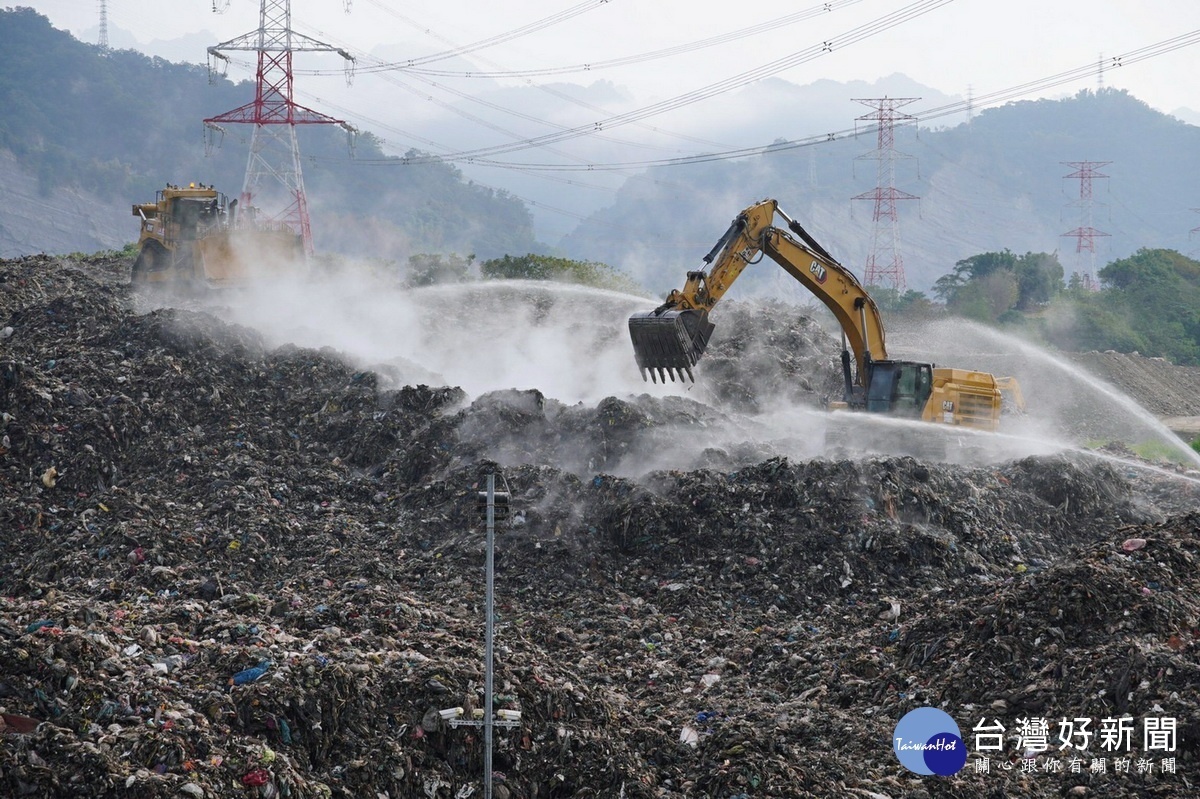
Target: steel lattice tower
[[1085, 235], [885, 265], [274, 151], [104, 24]]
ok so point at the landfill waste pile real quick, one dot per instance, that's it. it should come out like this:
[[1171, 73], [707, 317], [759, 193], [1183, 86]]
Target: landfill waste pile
[[764, 353], [234, 570]]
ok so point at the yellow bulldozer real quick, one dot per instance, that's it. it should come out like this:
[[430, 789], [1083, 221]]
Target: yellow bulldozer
[[192, 237], [669, 340]]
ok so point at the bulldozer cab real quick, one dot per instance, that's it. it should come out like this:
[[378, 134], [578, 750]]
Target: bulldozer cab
[[195, 216], [901, 388]]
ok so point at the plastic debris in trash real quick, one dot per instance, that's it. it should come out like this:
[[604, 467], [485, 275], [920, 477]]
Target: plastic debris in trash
[[250, 675], [1133, 544], [259, 776], [730, 561], [889, 610], [280, 725], [15, 724]]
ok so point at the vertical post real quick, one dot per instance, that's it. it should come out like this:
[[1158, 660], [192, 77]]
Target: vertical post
[[489, 629]]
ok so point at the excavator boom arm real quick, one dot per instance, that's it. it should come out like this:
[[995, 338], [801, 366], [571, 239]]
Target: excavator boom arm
[[672, 338]]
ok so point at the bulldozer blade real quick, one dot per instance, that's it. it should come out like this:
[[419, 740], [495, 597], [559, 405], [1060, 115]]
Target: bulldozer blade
[[668, 344]]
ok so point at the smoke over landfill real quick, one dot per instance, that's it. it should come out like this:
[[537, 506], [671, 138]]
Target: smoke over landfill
[[239, 555]]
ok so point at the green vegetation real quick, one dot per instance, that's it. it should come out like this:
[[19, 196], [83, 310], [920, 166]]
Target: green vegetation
[[1160, 451], [129, 252], [1148, 303], [1152, 450], [1154, 296], [913, 304], [428, 269], [121, 125], [544, 267], [998, 286]]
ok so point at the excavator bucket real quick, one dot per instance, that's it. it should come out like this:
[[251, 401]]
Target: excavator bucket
[[669, 343]]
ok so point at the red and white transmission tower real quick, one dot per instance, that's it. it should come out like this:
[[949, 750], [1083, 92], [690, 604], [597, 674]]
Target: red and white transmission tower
[[885, 265], [1085, 235], [274, 152]]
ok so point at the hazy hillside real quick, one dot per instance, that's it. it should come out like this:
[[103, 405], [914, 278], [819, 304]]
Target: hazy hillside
[[91, 132], [86, 133], [993, 184]]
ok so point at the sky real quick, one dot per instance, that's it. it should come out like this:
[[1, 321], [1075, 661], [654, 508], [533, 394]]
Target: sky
[[956, 48], [981, 44]]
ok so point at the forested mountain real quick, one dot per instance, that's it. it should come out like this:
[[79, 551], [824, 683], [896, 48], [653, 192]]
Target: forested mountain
[[997, 183], [85, 133]]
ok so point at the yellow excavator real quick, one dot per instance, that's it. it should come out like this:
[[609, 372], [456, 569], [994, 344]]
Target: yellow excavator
[[192, 237], [668, 341]]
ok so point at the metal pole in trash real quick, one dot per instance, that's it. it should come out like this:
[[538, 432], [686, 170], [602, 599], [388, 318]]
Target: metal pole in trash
[[489, 629], [488, 718]]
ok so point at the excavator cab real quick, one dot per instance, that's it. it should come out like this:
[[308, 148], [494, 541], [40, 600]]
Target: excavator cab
[[899, 388]]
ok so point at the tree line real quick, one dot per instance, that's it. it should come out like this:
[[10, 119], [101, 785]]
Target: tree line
[[1148, 303]]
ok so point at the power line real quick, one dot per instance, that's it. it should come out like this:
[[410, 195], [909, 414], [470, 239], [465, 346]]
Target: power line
[[380, 66], [908, 13], [1051, 81], [457, 111], [491, 41], [413, 65], [991, 99]]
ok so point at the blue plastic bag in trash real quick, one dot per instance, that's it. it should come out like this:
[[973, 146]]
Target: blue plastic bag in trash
[[250, 675]]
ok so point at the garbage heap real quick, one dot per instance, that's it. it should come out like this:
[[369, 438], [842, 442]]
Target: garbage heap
[[233, 571]]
